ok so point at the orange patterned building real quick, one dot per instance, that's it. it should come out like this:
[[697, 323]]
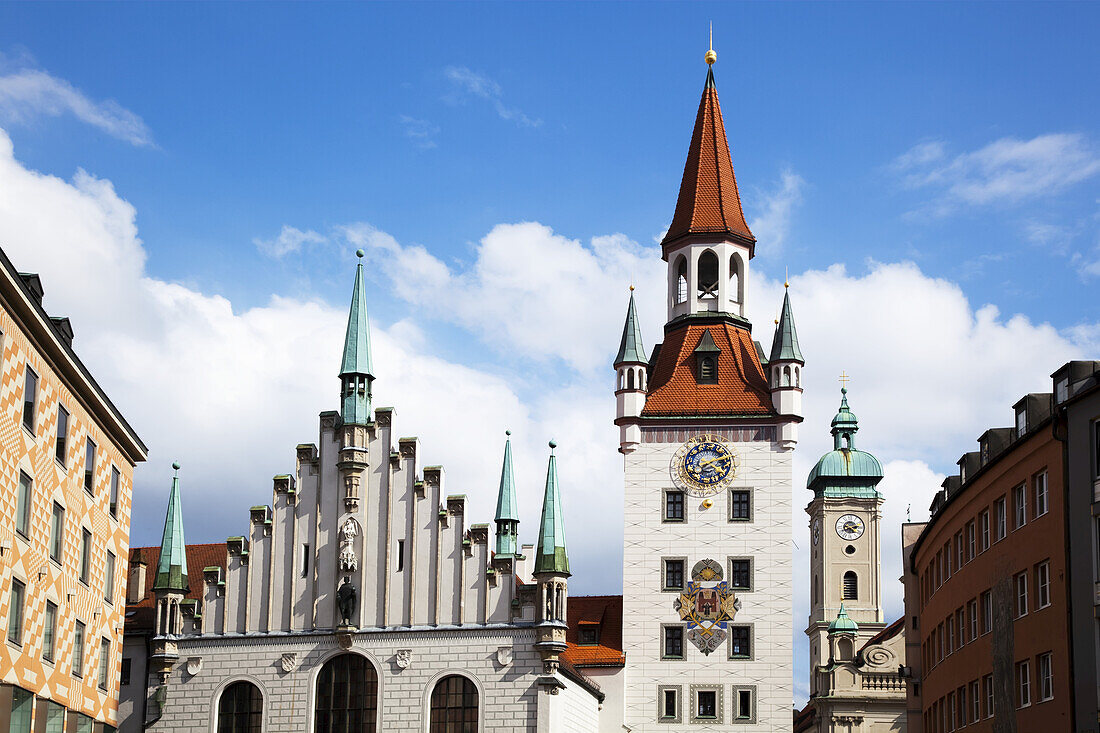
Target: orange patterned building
[[67, 459]]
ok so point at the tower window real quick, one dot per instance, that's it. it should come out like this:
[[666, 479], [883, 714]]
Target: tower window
[[673, 642], [400, 555], [630, 379], [708, 374], [740, 505], [674, 506], [681, 281], [741, 574], [707, 276], [740, 642], [674, 575], [850, 588]]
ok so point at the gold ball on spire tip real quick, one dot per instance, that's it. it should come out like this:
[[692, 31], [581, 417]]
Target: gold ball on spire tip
[[632, 288], [711, 57]]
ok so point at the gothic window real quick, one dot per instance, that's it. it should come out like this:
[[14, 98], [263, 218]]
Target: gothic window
[[681, 280], [630, 379], [797, 378], [786, 376], [850, 588], [240, 709], [454, 706], [707, 276], [735, 280], [347, 696]]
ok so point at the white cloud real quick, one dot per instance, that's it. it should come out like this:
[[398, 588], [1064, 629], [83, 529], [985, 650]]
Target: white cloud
[[773, 224], [1004, 171], [421, 132], [466, 84], [290, 239], [26, 94]]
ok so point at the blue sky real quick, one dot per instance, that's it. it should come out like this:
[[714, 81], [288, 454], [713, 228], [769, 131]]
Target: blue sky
[[192, 179]]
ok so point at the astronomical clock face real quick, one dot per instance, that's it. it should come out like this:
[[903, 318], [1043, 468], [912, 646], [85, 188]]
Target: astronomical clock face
[[849, 527], [704, 465]]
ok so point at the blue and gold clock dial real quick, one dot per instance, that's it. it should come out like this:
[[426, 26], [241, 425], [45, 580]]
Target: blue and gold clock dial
[[704, 465]]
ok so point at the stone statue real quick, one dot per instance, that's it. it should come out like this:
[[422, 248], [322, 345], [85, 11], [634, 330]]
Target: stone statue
[[347, 599], [348, 531]]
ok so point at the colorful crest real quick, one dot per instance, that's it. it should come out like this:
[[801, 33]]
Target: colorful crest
[[707, 609]]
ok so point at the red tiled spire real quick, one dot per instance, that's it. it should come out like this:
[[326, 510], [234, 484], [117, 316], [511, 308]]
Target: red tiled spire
[[709, 203]]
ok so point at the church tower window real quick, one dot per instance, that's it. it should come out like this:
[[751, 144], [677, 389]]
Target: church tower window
[[347, 695], [850, 588], [707, 276], [454, 705], [681, 280], [240, 709]]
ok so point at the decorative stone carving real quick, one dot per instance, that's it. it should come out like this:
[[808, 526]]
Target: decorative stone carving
[[707, 608], [288, 662], [351, 491], [382, 418], [504, 655], [347, 598], [348, 532], [880, 656], [403, 658], [194, 664]]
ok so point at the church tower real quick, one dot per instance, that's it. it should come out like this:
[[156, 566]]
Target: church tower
[[845, 558], [707, 433], [170, 583]]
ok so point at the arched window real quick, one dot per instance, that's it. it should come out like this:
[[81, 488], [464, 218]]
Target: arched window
[[240, 709], [641, 379], [786, 376], [844, 650], [622, 379], [347, 696], [850, 590], [707, 280], [681, 280], [775, 373], [797, 377], [454, 706], [630, 379], [735, 280]]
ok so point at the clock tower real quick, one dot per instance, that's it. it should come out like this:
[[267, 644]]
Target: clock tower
[[845, 562], [707, 423]]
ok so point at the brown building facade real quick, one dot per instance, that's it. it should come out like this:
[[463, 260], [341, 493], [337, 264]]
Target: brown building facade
[[67, 458], [986, 588]]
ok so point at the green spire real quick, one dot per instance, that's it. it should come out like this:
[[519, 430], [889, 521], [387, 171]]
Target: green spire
[[550, 556], [843, 624], [507, 509], [785, 343], [630, 347], [356, 369], [844, 424], [845, 471], [172, 563]]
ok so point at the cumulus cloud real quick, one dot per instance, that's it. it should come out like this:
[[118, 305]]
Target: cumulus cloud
[[290, 239], [26, 94], [1004, 171], [467, 84], [773, 224]]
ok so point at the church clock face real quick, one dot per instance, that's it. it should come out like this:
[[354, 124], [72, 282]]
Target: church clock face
[[704, 465], [849, 527]]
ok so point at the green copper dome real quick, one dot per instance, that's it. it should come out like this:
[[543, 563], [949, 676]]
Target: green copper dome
[[843, 624], [845, 471]]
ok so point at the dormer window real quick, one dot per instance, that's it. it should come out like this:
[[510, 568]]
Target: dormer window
[[1021, 422], [706, 360], [588, 635], [1061, 390]]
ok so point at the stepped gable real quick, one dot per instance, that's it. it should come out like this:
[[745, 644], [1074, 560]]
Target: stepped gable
[[742, 387]]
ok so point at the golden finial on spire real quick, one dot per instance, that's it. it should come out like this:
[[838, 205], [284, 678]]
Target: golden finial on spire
[[711, 56], [632, 288], [786, 277]]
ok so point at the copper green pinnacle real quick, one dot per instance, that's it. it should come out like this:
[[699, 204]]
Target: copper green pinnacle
[[550, 554], [172, 563]]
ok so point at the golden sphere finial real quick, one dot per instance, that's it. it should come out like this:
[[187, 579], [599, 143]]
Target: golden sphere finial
[[711, 57]]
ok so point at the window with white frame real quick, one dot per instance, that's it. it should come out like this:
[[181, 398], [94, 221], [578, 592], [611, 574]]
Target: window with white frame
[[1042, 583], [983, 520], [960, 622], [1046, 677], [1021, 595], [970, 541], [1023, 684], [959, 554], [1019, 501], [987, 612], [960, 695], [1041, 505], [973, 609], [987, 693], [1021, 422], [975, 703], [1000, 528]]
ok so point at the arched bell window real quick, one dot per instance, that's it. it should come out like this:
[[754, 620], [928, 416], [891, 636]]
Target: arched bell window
[[347, 696], [735, 279], [240, 708], [681, 280], [707, 276], [630, 379], [454, 705], [850, 587]]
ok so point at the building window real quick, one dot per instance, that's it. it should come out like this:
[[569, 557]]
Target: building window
[[1021, 422], [104, 661], [49, 631], [22, 703], [946, 561], [1042, 582], [950, 635], [740, 505], [23, 506], [78, 649], [115, 477], [400, 555], [673, 642], [30, 397], [1019, 499], [57, 532], [109, 583], [741, 573], [124, 675], [1021, 595], [61, 449], [987, 612], [1046, 678], [1096, 449], [454, 705], [15, 612], [706, 704], [960, 625], [953, 712], [240, 708], [959, 553], [983, 520], [740, 642], [1000, 529], [975, 703], [1023, 684], [1061, 390], [1041, 505], [744, 711], [85, 555], [973, 611], [674, 506], [960, 695], [668, 701], [681, 281], [850, 587], [347, 695], [970, 541], [987, 693], [588, 635], [674, 574], [305, 560], [89, 467]]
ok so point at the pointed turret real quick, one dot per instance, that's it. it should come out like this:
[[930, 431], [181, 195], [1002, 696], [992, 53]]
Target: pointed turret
[[550, 555], [785, 369], [507, 517], [356, 368], [551, 572], [631, 369], [172, 563], [785, 344]]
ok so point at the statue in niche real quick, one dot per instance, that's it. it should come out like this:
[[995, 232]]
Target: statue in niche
[[347, 599], [348, 531]]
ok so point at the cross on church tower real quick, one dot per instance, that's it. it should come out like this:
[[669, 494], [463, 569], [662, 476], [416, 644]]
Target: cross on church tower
[[844, 379]]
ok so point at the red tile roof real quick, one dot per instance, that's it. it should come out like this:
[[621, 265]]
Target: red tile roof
[[887, 633], [198, 557], [709, 202], [607, 612], [742, 387]]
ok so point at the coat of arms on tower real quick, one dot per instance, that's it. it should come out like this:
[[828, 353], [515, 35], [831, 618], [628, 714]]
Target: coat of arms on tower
[[707, 605]]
